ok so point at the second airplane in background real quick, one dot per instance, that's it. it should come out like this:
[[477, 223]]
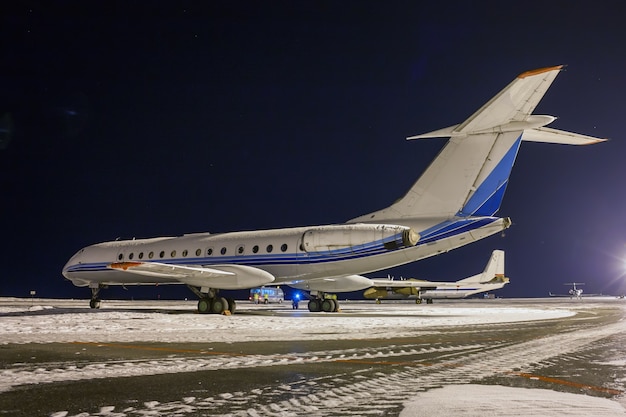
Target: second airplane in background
[[492, 278], [452, 204]]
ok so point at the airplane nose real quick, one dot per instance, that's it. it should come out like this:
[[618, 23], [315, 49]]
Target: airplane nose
[[74, 260], [64, 270]]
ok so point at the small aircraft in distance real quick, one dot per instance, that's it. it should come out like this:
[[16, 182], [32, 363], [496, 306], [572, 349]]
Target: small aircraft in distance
[[574, 292], [492, 278]]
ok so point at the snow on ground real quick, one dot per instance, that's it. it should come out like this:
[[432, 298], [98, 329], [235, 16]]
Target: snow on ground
[[47, 321], [143, 321], [478, 400]]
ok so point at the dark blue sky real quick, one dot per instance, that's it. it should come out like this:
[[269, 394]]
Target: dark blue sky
[[140, 119]]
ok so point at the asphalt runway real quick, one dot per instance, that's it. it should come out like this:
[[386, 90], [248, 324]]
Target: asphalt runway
[[583, 353]]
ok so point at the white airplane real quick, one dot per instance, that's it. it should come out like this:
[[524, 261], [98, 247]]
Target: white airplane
[[451, 205], [574, 292], [492, 278]]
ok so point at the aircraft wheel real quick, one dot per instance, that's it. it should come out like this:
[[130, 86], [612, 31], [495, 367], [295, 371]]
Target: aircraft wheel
[[232, 306], [95, 303], [429, 301], [204, 306], [328, 305], [418, 301], [219, 305], [377, 301], [314, 306]]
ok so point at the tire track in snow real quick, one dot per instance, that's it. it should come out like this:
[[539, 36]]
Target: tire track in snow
[[381, 393], [56, 372], [359, 393]]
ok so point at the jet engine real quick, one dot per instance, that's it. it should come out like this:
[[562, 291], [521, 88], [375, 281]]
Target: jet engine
[[347, 238]]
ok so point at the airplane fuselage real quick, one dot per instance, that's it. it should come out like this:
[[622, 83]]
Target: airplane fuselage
[[290, 254], [439, 293]]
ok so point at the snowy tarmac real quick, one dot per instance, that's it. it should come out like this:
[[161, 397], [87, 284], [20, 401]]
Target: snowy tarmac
[[532, 357]]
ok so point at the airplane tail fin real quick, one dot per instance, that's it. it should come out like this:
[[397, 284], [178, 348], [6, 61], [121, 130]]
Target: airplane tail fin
[[493, 273], [470, 174]]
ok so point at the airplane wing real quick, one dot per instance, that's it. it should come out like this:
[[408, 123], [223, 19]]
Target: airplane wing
[[418, 283], [225, 277], [408, 283], [576, 296], [342, 283]]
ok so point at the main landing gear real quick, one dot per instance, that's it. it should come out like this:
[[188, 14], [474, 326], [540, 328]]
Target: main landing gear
[[327, 305], [211, 303]]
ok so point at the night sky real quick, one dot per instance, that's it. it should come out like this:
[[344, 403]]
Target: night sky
[[142, 119]]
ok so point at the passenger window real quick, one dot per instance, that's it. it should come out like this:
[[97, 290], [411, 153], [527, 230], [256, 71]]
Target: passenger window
[[120, 256], [140, 255], [283, 247], [209, 251], [255, 248], [223, 251], [269, 248], [173, 254], [240, 249], [198, 252], [162, 254], [151, 255], [185, 252], [131, 256]]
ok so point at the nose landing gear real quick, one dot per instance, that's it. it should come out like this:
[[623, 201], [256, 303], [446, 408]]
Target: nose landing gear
[[95, 291]]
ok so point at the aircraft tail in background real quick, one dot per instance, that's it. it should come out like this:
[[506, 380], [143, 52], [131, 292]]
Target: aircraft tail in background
[[493, 271]]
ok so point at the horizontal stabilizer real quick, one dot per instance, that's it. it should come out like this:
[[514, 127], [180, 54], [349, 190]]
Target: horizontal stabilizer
[[446, 132], [548, 135]]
